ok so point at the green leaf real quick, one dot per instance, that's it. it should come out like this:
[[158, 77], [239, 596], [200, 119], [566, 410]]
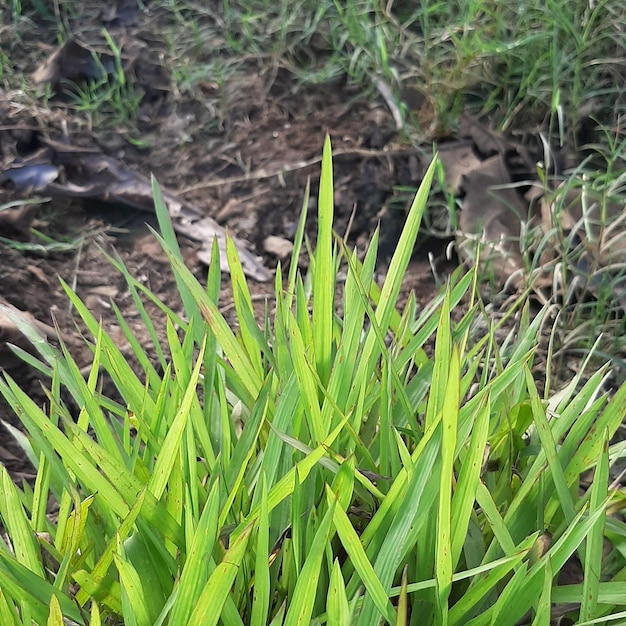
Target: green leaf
[[113, 361], [25, 546], [449, 422], [548, 445], [262, 585], [94, 583], [8, 611], [286, 412], [594, 549], [55, 617], [245, 448], [324, 275], [170, 245], [498, 526], [284, 487], [195, 572], [298, 524], [213, 597], [242, 369], [352, 544], [411, 510], [393, 281], [301, 605], [134, 604], [608, 593], [337, 606], [522, 598], [467, 484], [128, 485], [29, 589], [544, 606], [481, 585], [443, 351], [73, 536], [95, 615], [590, 449], [403, 600], [297, 247], [343, 483], [243, 306], [306, 380], [150, 569], [170, 448], [404, 250]]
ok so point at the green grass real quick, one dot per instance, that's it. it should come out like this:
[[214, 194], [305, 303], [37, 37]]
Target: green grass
[[574, 261], [110, 100], [327, 468], [535, 62], [315, 469]]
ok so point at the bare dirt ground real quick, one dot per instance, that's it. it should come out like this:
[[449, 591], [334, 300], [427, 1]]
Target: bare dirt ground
[[245, 165]]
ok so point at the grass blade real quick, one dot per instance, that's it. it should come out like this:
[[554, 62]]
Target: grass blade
[[301, 606], [593, 553], [324, 276], [213, 597], [449, 422], [337, 606]]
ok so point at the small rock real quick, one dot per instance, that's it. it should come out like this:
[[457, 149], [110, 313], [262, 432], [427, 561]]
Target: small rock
[[278, 246]]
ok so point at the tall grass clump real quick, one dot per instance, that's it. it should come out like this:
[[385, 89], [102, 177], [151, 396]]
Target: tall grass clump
[[318, 468]]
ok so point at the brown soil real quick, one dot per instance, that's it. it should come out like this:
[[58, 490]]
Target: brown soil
[[245, 164]]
